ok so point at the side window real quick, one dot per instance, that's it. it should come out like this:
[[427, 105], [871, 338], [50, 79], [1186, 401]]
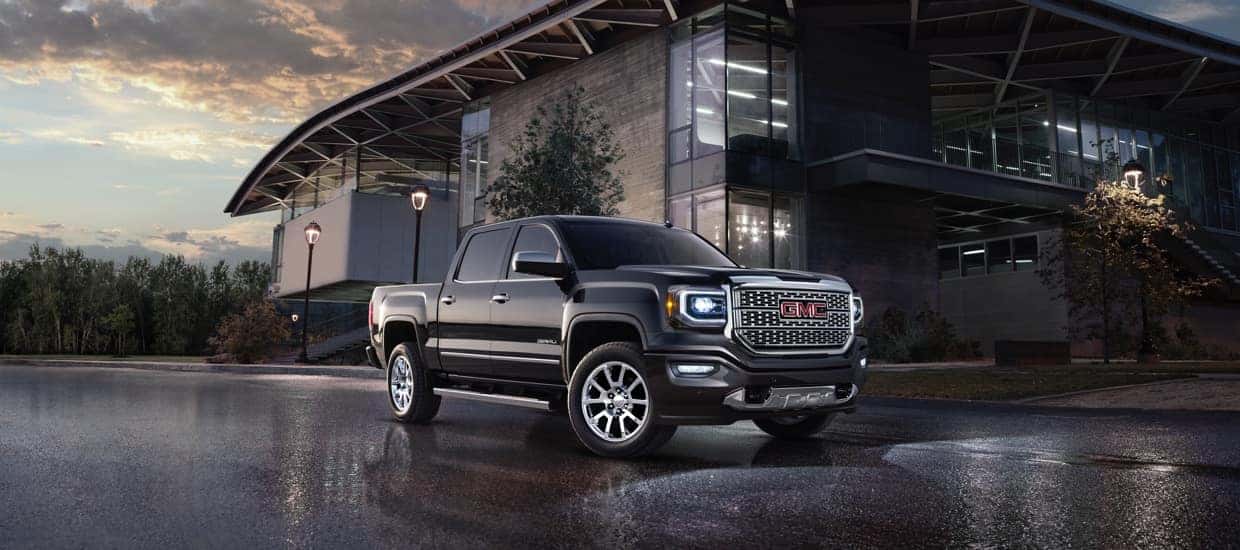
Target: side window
[[532, 238], [482, 256]]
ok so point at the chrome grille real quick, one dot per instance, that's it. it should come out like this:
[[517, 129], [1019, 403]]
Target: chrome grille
[[759, 324]]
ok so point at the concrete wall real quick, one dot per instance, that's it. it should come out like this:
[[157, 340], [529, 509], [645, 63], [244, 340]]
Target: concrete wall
[[628, 85], [862, 91], [1004, 306], [369, 238], [885, 248]]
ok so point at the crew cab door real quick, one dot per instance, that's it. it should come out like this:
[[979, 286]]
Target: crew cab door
[[465, 339], [528, 313]]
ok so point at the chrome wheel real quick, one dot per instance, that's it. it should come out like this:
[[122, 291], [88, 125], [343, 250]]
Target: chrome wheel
[[615, 402], [400, 384]]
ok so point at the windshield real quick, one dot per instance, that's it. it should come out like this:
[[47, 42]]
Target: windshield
[[603, 245]]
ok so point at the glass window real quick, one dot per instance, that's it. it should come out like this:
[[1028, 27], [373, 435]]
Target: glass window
[[680, 212], [1035, 140], [1025, 252], [949, 263], [1007, 140], [786, 228], [783, 116], [749, 241], [973, 258], [749, 102], [999, 256], [709, 93], [981, 152], [532, 238], [608, 245], [708, 209], [680, 85], [475, 126], [483, 254], [1193, 181]]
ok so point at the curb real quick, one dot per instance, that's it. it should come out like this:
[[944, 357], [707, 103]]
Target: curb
[[361, 372], [1035, 400]]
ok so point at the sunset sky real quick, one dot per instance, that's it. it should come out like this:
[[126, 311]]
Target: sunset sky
[[125, 125]]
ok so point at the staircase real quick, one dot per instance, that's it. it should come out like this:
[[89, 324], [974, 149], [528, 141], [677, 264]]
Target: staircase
[[345, 333], [348, 341], [1212, 256]]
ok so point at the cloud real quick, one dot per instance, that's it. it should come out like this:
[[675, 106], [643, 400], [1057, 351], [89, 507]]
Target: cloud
[[10, 138], [245, 60], [233, 243], [200, 243], [51, 226], [1193, 11]]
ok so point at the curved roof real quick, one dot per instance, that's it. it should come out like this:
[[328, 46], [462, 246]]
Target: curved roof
[[980, 51]]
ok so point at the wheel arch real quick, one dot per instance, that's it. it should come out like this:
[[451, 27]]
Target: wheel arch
[[398, 329], [589, 330]]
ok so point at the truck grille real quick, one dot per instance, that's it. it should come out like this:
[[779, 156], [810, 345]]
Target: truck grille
[[792, 320]]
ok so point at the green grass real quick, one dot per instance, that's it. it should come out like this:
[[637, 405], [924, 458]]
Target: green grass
[[1011, 383], [109, 358]]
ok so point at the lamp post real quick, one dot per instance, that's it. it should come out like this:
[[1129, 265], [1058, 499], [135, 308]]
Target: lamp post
[[1133, 172], [419, 197], [313, 232]]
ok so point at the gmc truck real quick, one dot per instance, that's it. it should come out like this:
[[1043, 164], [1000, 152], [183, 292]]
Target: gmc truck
[[630, 328]]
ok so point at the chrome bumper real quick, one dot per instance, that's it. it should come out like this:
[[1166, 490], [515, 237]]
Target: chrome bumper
[[791, 399]]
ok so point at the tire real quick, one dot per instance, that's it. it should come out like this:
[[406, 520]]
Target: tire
[[621, 426], [794, 427], [418, 404]]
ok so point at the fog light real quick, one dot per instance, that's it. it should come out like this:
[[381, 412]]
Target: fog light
[[864, 360], [695, 370]]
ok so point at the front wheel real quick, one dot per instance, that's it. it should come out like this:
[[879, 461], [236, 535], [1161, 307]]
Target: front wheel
[[610, 406], [794, 427]]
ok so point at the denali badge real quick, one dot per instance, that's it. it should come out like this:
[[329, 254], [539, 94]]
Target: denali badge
[[803, 310]]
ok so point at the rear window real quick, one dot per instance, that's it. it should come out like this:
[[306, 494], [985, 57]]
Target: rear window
[[483, 256], [603, 245]]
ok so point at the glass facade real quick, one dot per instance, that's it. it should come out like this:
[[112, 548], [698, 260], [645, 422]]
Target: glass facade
[[731, 129], [1005, 255], [1077, 141], [475, 162]]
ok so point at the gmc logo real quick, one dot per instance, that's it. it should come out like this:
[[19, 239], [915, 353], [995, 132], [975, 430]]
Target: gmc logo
[[803, 310]]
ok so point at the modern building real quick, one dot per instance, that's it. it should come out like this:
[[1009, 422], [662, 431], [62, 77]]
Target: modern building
[[925, 149]]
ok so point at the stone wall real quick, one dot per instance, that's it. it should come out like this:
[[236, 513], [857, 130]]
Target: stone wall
[[628, 84]]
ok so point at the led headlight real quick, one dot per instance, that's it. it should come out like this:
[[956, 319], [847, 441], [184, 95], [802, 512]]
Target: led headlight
[[698, 307], [858, 310]]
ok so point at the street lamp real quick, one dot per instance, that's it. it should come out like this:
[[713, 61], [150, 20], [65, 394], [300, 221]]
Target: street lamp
[[1134, 172], [419, 197], [313, 232]]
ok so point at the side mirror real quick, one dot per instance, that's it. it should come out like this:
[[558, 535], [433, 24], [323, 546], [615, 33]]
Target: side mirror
[[541, 264]]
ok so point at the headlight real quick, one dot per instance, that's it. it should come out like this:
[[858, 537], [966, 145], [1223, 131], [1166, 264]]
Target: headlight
[[698, 307], [858, 310]]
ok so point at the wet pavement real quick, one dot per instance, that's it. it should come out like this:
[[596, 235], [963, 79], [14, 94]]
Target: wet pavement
[[120, 458]]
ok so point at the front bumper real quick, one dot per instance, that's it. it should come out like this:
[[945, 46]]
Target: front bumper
[[712, 399]]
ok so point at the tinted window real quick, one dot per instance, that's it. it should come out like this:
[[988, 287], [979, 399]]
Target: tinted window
[[532, 238], [949, 263], [999, 256], [1026, 252], [603, 245], [483, 254], [974, 258]]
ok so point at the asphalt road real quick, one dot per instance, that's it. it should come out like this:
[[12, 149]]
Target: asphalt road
[[120, 458]]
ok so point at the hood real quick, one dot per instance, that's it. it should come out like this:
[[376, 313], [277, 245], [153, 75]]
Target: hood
[[721, 275]]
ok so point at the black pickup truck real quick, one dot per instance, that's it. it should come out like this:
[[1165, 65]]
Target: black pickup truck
[[631, 328]]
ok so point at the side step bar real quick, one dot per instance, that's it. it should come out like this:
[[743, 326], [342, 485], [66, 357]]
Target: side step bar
[[527, 402]]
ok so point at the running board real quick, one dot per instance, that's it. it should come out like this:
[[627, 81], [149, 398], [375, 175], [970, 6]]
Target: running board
[[527, 402]]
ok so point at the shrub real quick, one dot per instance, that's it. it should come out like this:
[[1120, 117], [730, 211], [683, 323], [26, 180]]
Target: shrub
[[250, 336], [897, 337]]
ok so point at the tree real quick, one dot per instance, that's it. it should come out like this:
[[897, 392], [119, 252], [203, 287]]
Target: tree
[[563, 163], [1110, 266], [120, 325], [250, 336]]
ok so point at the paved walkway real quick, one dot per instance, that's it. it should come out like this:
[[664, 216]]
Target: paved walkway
[[1206, 393]]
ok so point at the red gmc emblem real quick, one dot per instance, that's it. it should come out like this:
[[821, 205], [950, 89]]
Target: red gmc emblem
[[803, 310]]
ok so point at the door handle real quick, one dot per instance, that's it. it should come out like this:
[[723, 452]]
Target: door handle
[[500, 298], [447, 300]]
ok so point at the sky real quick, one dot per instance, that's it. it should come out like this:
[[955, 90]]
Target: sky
[[126, 125]]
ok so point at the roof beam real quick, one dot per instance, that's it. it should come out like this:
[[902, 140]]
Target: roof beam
[[504, 76], [1206, 102], [1166, 86], [511, 63], [671, 8], [559, 50], [461, 86], [1190, 74], [1096, 67], [1113, 56], [1007, 43], [1014, 58], [581, 37], [641, 17], [955, 9], [914, 6]]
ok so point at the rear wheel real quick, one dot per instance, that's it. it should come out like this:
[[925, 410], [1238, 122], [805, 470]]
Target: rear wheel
[[409, 386], [794, 427], [610, 406]]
